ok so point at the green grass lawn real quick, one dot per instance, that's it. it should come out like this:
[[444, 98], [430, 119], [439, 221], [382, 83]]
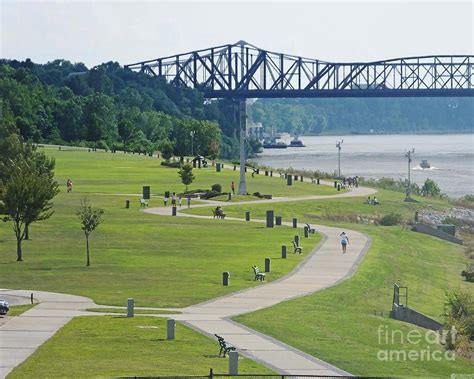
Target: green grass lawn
[[16, 310], [343, 209], [118, 346], [127, 174], [338, 324], [137, 311]]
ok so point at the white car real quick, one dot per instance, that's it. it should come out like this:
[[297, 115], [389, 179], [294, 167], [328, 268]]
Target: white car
[[4, 307]]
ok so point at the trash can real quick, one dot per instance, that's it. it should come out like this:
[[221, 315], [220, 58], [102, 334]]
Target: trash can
[[225, 278]]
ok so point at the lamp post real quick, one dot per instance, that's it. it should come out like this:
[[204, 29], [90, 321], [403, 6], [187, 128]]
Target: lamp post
[[192, 142], [338, 145], [408, 155]]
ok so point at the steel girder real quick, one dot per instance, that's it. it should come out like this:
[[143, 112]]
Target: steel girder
[[242, 70]]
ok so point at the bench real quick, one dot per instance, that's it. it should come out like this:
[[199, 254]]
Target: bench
[[258, 275], [298, 249], [224, 346], [215, 215], [143, 203], [310, 229]]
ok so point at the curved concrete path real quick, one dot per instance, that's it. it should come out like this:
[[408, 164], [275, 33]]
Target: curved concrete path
[[323, 267]]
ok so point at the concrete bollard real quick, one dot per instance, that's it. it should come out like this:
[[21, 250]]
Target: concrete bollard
[[295, 223], [277, 220], [283, 251], [306, 232], [130, 307], [233, 363], [269, 219], [170, 328], [247, 216], [289, 180], [268, 264], [127, 204], [297, 240], [225, 278], [173, 211]]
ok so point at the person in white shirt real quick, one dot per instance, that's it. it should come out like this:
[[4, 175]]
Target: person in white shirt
[[344, 241]]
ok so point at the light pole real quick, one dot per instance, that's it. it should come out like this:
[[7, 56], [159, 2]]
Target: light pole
[[192, 142], [338, 145], [408, 155]]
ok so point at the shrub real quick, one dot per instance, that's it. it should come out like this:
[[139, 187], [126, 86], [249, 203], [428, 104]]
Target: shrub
[[210, 194], [171, 164], [391, 219], [459, 313], [216, 188]]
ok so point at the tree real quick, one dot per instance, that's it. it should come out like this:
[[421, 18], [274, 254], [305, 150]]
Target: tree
[[90, 218], [186, 174], [430, 188], [27, 189], [166, 149]]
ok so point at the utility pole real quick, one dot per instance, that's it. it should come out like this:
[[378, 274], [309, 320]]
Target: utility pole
[[339, 145], [243, 131], [408, 155], [192, 142]]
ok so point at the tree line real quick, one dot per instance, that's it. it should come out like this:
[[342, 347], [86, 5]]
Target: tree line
[[113, 108]]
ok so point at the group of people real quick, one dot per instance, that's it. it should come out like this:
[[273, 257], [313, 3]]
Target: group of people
[[351, 182], [69, 185], [373, 201], [174, 198], [219, 212]]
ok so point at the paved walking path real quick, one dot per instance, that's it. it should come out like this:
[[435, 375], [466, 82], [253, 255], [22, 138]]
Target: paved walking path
[[325, 266]]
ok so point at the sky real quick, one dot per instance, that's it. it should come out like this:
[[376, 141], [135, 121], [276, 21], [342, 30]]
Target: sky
[[93, 32]]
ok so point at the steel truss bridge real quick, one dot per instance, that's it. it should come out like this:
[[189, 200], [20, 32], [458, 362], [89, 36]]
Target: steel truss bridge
[[242, 70]]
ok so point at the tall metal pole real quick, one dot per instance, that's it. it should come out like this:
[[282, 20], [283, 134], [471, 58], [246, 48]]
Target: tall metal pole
[[338, 145], [192, 142], [408, 190], [243, 129]]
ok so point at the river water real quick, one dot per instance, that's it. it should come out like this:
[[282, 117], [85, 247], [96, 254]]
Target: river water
[[451, 157]]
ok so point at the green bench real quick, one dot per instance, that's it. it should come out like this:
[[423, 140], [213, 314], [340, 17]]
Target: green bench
[[297, 248], [224, 346], [258, 274]]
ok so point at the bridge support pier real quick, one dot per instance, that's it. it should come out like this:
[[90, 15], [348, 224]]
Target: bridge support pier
[[243, 131]]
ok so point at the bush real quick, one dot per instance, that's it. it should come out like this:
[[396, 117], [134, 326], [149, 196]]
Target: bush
[[171, 164], [216, 188], [391, 219], [210, 194], [459, 314]]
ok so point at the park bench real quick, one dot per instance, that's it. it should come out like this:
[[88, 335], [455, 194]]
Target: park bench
[[298, 249], [310, 229], [215, 215], [258, 274], [224, 346], [143, 203]]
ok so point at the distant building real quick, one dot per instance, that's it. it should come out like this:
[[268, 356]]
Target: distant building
[[255, 130]]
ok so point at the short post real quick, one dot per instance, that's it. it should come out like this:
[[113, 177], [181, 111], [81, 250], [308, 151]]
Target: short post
[[233, 363], [306, 232], [225, 278], [194, 163], [230, 196], [317, 181], [247, 216], [269, 219], [258, 171], [289, 180], [335, 184], [295, 223], [266, 173], [31, 296], [301, 177], [268, 263], [189, 201], [297, 240], [127, 204], [130, 307], [338, 186], [286, 175], [218, 167], [170, 327], [245, 168], [173, 210], [235, 167], [296, 178], [283, 251], [416, 216], [146, 192], [277, 220]]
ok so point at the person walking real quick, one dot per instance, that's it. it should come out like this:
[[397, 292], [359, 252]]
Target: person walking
[[180, 200], [232, 187], [173, 199], [165, 199], [344, 241]]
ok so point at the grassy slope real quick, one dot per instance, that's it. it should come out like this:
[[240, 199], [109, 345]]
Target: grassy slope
[[160, 261], [117, 346], [338, 324]]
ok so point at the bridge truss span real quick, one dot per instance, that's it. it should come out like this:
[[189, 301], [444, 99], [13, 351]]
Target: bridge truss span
[[242, 70]]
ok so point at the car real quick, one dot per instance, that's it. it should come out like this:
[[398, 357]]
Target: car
[[4, 307]]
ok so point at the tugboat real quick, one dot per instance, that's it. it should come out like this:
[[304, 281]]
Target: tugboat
[[272, 144], [295, 142], [424, 164]]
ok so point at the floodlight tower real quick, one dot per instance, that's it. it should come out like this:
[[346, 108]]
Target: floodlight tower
[[339, 145], [408, 155]]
